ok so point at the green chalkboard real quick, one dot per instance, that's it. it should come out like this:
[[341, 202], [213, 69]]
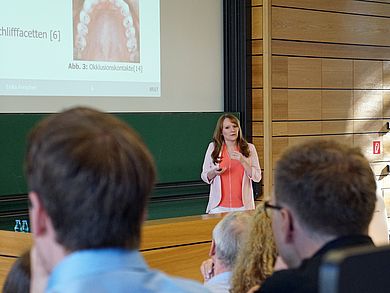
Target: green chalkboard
[[13, 132], [177, 141]]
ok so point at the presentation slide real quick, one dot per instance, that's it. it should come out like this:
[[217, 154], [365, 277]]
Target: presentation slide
[[80, 48], [113, 55]]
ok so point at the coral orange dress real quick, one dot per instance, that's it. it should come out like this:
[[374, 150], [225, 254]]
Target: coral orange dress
[[231, 181]]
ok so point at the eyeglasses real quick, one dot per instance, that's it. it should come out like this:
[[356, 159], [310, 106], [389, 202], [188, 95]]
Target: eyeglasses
[[267, 206]]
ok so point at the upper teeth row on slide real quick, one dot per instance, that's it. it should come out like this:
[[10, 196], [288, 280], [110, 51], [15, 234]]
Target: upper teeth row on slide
[[82, 26], [89, 4]]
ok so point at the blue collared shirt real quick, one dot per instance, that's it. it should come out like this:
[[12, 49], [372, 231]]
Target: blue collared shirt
[[113, 270], [219, 283]]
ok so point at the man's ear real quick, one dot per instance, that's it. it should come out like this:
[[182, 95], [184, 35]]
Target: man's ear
[[288, 225], [38, 216], [212, 248]]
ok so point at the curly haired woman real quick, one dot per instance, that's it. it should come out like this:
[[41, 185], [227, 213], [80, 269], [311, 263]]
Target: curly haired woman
[[256, 260]]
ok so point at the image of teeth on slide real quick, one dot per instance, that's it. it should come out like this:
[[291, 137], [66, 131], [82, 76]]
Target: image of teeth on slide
[[106, 30]]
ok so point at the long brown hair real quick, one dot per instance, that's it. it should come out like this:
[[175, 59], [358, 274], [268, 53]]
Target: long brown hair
[[218, 138], [255, 262]]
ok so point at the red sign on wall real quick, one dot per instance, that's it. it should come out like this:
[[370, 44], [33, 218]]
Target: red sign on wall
[[376, 147]]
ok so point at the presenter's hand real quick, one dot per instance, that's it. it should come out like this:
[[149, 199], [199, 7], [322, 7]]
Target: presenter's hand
[[207, 269], [215, 172], [219, 171], [236, 155], [245, 162]]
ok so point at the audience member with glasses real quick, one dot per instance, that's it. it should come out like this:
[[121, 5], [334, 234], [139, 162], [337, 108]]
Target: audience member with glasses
[[324, 199]]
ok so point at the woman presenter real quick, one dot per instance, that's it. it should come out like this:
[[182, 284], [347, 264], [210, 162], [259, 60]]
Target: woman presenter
[[230, 165]]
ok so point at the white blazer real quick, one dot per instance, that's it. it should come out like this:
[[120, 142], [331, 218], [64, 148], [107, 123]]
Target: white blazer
[[378, 229], [215, 184]]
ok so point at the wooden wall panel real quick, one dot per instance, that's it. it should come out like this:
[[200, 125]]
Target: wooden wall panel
[[320, 26], [386, 104], [324, 104], [386, 74], [297, 128], [337, 104], [259, 144], [279, 144], [367, 74], [279, 72], [258, 129], [304, 104], [337, 73], [257, 71], [346, 139], [337, 127], [358, 133], [365, 126], [346, 6], [257, 47], [257, 2], [367, 104], [257, 23], [304, 73], [330, 76], [386, 149], [280, 104], [328, 50], [257, 104], [279, 129], [381, 1], [364, 142]]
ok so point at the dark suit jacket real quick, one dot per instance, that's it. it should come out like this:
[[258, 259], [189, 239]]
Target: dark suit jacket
[[304, 279]]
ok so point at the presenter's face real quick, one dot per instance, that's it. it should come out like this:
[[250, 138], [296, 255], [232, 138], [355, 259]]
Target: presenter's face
[[229, 130]]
